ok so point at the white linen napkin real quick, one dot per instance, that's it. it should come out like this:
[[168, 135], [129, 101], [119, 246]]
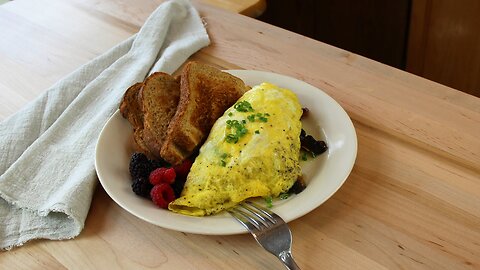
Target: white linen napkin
[[47, 149]]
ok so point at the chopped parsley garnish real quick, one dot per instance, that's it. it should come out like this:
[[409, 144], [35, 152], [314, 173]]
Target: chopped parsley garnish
[[238, 130], [269, 202], [262, 117], [304, 156], [237, 127], [231, 138], [243, 106], [284, 196], [223, 161]]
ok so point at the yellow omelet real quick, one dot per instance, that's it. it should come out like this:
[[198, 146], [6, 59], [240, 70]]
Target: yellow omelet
[[251, 151]]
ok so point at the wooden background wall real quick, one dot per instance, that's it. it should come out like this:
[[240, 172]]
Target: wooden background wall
[[435, 39]]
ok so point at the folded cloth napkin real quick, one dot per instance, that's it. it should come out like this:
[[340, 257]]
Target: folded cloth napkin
[[47, 162]]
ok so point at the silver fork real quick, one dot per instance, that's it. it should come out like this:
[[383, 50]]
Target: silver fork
[[270, 231]]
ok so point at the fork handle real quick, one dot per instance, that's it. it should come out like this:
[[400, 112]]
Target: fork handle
[[287, 259]]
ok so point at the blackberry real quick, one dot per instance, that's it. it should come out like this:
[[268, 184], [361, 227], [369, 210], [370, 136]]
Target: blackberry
[[310, 144], [298, 186], [140, 166], [141, 186], [302, 134]]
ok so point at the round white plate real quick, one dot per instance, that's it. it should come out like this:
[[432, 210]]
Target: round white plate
[[323, 175]]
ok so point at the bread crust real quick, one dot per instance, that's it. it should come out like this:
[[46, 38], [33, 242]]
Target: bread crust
[[172, 116], [159, 98], [131, 109], [205, 94]]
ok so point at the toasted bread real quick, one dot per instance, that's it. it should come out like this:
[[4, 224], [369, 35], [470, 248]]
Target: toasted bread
[[131, 109], [158, 98], [205, 94]]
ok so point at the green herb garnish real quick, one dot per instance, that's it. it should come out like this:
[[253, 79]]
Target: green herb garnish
[[268, 201], [238, 130], [257, 131], [231, 138], [223, 158], [304, 156], [262, 117], [284, 196], [243, 106]]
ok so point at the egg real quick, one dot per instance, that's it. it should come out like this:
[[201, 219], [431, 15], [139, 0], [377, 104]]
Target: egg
[[251, 151]]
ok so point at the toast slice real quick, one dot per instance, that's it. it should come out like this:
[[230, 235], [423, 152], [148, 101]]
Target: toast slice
[[205, 94], [131, 109], [129, 106], [158, 99]]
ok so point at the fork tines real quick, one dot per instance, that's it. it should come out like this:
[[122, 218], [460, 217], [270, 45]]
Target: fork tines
[[254, 216], [268, 229]]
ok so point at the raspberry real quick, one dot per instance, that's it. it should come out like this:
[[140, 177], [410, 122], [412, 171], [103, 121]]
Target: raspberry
[[139, 166], [156, 176], [169, 176], [183, 169], [162, 175], [142, 187], [162, 194]]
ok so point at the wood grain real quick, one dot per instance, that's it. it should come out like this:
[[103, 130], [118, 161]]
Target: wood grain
[[412, 200], [251, 8]]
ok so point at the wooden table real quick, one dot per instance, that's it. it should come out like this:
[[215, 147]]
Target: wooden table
[[412, 200]]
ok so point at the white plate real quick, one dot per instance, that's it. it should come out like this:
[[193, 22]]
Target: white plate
[[324, 175]]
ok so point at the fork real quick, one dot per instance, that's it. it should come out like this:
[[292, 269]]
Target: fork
[[269, 229]]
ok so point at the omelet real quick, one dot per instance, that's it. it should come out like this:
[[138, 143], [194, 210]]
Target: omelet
[[251, 151]]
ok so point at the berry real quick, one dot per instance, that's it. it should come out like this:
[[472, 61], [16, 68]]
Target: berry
[[183, 169], [177, 187], [162, 194], [156, 176], [162, 175], [141, 186], [298, 186], [169, 176], [139, 166], [309, 143], [302, 134]]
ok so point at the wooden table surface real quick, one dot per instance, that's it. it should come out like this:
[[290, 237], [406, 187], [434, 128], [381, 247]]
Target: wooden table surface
[[412, 200]]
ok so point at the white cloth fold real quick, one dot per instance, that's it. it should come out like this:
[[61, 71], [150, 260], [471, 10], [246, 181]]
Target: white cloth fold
[[47, 173]]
